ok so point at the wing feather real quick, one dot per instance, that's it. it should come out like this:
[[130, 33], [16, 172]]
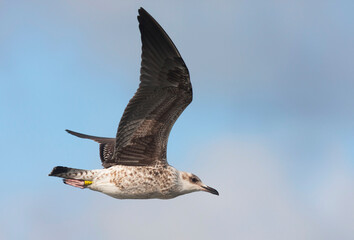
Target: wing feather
[[106, 144], [164, 92]]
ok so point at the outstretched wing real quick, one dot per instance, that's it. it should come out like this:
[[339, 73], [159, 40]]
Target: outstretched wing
[[164, 92], [106, 144]]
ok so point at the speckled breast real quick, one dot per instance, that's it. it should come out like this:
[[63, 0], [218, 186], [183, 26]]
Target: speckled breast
[[140, 182]]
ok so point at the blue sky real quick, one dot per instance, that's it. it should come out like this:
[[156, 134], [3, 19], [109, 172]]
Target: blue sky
[[271, 125]]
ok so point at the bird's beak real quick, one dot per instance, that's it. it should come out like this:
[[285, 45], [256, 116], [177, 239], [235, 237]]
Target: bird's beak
[[210, 190]]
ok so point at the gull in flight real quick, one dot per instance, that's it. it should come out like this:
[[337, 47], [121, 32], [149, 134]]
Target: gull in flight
[[135, 164]]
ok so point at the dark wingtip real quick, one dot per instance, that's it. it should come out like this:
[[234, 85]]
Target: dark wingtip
[[80, 135], [76, 133], [69, 131], [143, 14], [142, 10], [58, 170]]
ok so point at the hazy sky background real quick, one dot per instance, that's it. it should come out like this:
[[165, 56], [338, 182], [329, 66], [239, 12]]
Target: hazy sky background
[[271, 125]]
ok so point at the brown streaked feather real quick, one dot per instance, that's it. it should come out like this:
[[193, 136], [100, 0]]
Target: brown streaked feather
[[106, 144], [164, 92]]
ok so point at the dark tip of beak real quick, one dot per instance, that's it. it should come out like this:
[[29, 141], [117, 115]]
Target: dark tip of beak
[[211, 190]]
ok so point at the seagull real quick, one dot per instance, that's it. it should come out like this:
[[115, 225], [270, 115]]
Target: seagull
[[135, 164]]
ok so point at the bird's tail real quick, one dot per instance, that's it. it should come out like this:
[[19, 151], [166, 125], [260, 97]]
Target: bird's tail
[[74, 177]]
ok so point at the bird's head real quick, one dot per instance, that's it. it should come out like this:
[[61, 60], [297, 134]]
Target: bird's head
[[192, 183]]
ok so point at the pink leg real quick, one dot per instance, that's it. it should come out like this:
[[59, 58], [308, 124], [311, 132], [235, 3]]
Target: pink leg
[[75, 183]]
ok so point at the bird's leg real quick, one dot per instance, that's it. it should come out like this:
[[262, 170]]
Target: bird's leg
[[77, 183]]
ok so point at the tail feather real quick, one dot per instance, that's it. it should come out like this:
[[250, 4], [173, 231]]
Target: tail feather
[[73, 173], [58, 170]]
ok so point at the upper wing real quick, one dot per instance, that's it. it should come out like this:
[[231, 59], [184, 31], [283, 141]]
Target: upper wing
[[164, 92], [106, 144]]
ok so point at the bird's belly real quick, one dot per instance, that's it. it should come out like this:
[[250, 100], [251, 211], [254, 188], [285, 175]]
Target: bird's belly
[[129, 191], [132, 192], [135, 183]]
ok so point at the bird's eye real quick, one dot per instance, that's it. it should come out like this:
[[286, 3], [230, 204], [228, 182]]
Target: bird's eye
[[194, 180]]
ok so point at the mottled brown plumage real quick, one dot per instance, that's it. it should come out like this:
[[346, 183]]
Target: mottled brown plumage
[[135, 164], [164, 92]]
